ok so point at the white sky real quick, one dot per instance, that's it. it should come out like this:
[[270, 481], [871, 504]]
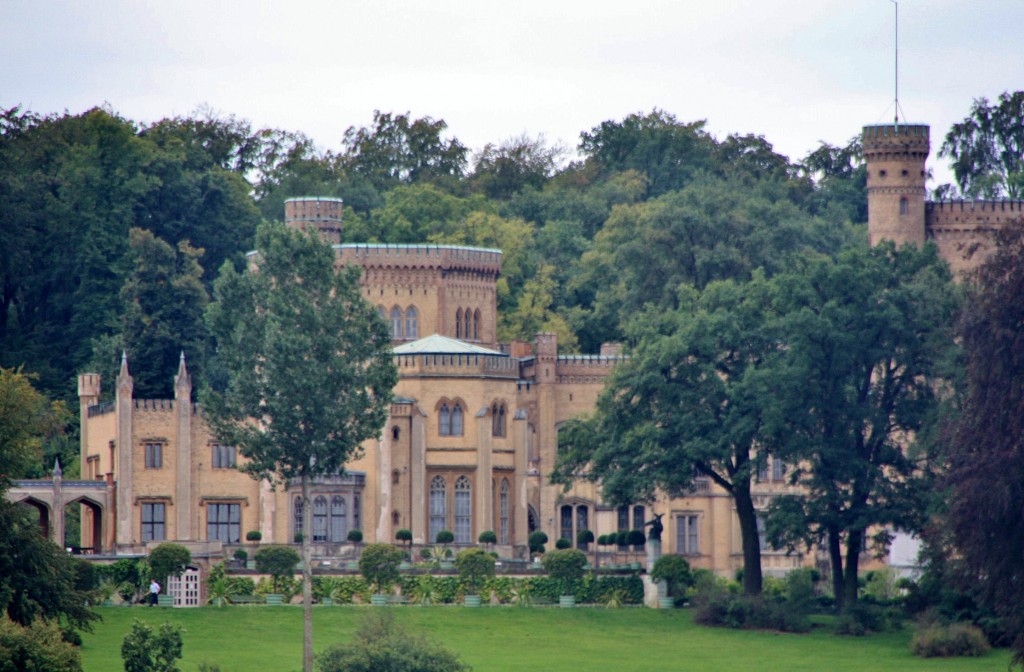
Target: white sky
[[795, 71]]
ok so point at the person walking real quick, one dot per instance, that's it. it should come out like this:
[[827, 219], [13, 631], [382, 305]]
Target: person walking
[[154, 590]]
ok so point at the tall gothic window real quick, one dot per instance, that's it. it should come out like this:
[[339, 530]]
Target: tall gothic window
[[412, 328], [476, 325], [582, 523], [320, 519], [444, 421], [458, 323], [298, 515], [438, 508], [357, 523], [503, 512], [498, 412], [468, 320], [457, 420], [463, 511], [338, 530], [566, 527], [396, 323]]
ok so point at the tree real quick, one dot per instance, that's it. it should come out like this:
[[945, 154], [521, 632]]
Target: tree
[[565, 567], [396, 149], [27, 421], [986, 493], [278, 561], [146, 651], [378, 563], [168, 560], [381, 644], [987, 148], [866, 338], [39, 647], [502, 170], [691, 401], [475, 565], [310, 375]]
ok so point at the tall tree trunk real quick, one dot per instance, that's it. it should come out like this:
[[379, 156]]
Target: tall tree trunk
[[850, 586], [835, 556], [307, 579], [750, 538]]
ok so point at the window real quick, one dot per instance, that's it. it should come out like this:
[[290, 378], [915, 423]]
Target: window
[[498, 420], [582, 523], [687, 534], [444, 427], [153, 518], [223, 457], [320, 519], [468, 317], [463, 511], [503, 512], [396, 323], [396, 433], [298, 515], [565, 531], [623, 523], [761, 538], [356, 518], [778, 469], [476, 325], [458, 323], [438, 509], [762, 469], [903, 205], [154, 455], [457, 420], [338, 521], [639, 515], [412, 328], [224, 522]]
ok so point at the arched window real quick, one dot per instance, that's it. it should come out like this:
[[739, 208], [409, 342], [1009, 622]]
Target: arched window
[[338, 530], [498, 426], [383, 312], [444, 423], [903, 205], [503, 512], [457, 420], [320, 519], [438, 508], [396, 322], [494, 420], [463, 511], [582, 523], [458, 323], [298, 515], [476, 325], [412, 328], [356, 522], [467, 323], [565, 529], [396, 433]]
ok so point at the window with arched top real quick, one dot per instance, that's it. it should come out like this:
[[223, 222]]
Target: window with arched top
[[444, 420], [396, 322], [320, 519], [476, 325], [438, 505], [297, 520], [463, 511], [338, 522], [396, 433], [456, 421], [412, 328], [503, 512], [498, 419], [467, 323], [458, 323], [357, 523]]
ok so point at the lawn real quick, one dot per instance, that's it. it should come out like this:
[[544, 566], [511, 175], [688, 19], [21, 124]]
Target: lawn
[[242, 639]]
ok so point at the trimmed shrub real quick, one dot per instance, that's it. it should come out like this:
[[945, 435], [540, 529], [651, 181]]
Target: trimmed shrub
[[487, 537], [278, 561], [169, 560], [475, 566], [355, 536], [674, 570], [563, 543], [444, 537], [241, 555], [379, 566], [536, 540], [948, 641], [404, 535], [566, 568], [253, 535]]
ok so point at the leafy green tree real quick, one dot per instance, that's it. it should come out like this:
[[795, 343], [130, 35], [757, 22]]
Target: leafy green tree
[[309, 366], [565, 567], [987, 148], [841, 179], [39, 647], [475, 565], [396, 149], [278, 561], [28, 420], [690, 402], [168, 559], [378, 563], [674, 570], [381, 644], [867, 339], [500, 171], [164, 300], [987, 453], [144, 650], [534, 313]]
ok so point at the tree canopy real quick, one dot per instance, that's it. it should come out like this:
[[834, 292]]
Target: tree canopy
[[987, 149]]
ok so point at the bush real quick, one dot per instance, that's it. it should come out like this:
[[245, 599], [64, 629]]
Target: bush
[[563, 544], [278, 561], [636, 538], [355, 536], [488, 537], [674, 570], [444, 537], [947, 641], [584, 537], [862, 618], [379, 566], [565, 567], [381, 644], [38, 647], [253, 535], [298, 537], [715, 605], [475, 566], [622, 538], [241, 555], [168, 560], [404, 535], [536, 540], [146, 651]]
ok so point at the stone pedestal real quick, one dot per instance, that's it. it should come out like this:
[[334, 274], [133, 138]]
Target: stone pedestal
[[653, 553]]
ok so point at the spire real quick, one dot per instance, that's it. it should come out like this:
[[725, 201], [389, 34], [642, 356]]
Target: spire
[[124, 379], [182, 381], [57, 472], [124, 364]]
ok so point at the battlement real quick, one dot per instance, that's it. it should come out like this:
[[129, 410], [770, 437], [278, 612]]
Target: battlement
[[890, 137], [1011, 208], [421, 256], [154, 405], [319, 212], [89, 385], [457, 365]]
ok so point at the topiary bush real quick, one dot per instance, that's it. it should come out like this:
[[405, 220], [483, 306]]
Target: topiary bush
[[379, 566], [355, 536], [253, 535], [278, 561], [404, 535], [674, 570], [565, 566], [475, 566], [536, 540], [488, 537], [562, 543], [169, 560], [947, 641]]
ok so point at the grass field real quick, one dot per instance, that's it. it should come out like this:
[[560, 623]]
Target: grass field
[[244, 639]]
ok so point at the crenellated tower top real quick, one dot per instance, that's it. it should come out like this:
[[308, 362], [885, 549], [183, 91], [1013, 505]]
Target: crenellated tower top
[[322, 213], [895, 155]]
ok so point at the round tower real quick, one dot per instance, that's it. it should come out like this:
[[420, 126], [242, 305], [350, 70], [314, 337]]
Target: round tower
[[895, 155], [322, 213]]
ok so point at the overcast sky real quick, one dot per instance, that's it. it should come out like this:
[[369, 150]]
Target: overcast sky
[[796, 71]]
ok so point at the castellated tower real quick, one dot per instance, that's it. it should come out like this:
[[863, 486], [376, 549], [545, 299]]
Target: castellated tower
[[895, 155], [317, 212]]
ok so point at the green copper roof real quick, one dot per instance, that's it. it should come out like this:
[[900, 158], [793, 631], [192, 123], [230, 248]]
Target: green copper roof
[[437, 344]]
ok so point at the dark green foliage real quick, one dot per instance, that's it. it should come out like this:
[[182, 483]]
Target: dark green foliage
[[404, 535], [253, 535], [536, 540], [936, 640], [278, 561], [715, 605], [475, 566], [987, 149], [674, 570], [36, 648], [584, 537], [565, 566], [488, 537], [444, 537], [862, 618], [168, 560], [144, 650], [562, 543], [381, 645], [28, 421], [354, 536], [378, 563]]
